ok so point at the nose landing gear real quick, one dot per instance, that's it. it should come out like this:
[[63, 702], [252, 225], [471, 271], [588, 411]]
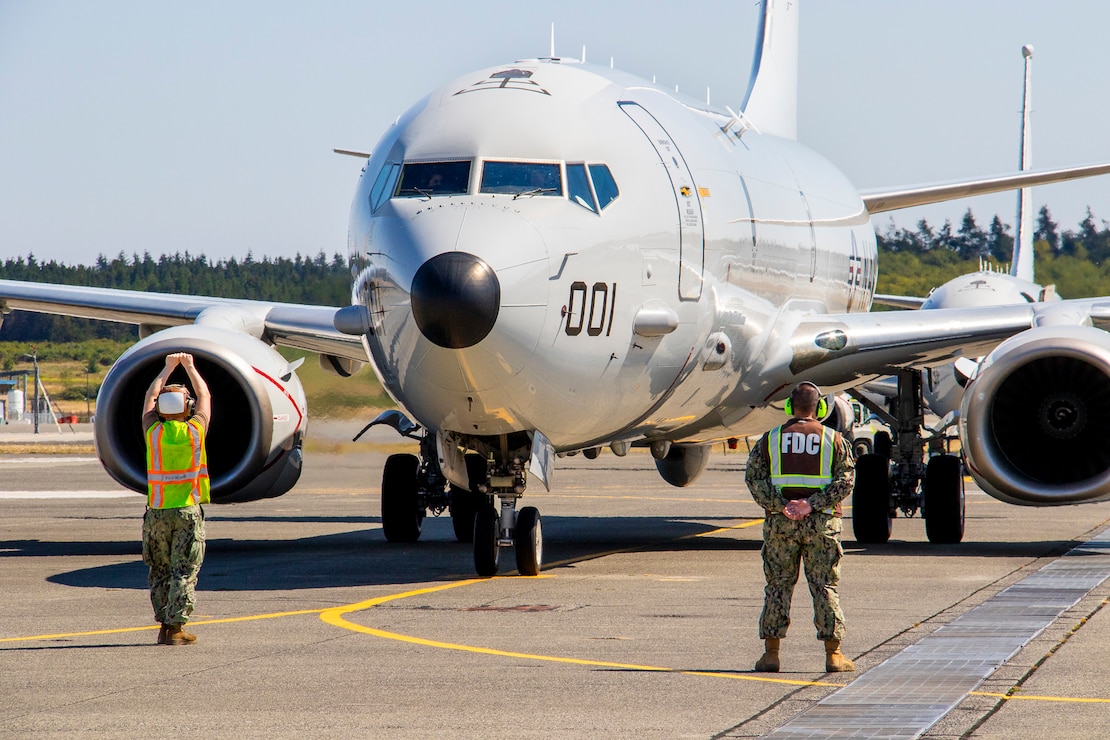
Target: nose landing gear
[[507, 527]]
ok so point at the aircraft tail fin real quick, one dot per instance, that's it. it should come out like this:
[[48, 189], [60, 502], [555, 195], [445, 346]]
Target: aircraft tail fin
[[772, 99], [1022, 266]]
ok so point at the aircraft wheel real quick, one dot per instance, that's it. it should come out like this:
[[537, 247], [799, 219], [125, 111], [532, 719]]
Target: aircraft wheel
[[944, 500], [861, 447], [528, 541], [402, 515], [487, 532], [871, 520], [465, 503]]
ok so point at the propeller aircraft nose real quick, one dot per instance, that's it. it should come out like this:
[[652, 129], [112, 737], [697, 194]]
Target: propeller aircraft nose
[[455, 299]]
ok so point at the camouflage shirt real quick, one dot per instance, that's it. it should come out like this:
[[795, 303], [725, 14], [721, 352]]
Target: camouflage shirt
[[758, 478]]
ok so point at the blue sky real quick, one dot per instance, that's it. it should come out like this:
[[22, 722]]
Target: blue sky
[[208, 127]]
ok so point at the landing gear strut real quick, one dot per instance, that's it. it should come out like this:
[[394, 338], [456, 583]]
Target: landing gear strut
[[901, 481], [485, 513], [503, 526]]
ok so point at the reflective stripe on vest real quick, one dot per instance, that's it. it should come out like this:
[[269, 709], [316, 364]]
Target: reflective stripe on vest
[[809, 444], [177, 465]]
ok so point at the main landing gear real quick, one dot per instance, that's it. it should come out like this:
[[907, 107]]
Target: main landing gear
[[485, 513], [894, 478]]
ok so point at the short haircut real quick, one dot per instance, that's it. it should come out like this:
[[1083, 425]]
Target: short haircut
[[805, 396]]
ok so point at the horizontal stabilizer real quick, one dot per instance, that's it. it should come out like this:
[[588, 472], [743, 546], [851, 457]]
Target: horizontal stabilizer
[[898, 301]]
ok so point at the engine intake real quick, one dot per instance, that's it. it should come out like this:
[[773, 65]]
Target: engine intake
[[1035, 421], [258, 412]]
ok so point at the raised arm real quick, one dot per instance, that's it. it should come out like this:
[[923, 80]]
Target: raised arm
[[172, 361], [200, 388]]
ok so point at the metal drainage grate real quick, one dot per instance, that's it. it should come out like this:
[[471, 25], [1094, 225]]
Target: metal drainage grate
[[907, 694]]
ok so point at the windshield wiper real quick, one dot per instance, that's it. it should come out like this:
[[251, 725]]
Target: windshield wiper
[[536, 191], [426, 193]]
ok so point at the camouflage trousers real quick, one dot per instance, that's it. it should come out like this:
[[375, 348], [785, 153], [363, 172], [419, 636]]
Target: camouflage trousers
[[173, 548], [814, 542]]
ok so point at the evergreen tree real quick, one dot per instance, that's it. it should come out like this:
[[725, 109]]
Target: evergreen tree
[[971, 242], [999, 242], [1047, 230]]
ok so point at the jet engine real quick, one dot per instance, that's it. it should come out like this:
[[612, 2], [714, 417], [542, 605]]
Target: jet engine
[[258, 411], [683, 464], [1035, 420]]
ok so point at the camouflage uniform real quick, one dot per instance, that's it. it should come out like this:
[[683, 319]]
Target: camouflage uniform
[[173, 548], [814, 541]]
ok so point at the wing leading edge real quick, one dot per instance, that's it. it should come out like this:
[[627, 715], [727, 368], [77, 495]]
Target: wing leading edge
[[289, 325], [840, 350], [879, 201]]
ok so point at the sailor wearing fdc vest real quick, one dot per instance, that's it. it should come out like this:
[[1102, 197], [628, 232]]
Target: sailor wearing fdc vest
[[799, 473], [177, 485]]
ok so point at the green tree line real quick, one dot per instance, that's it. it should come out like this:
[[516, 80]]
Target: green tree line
[[913, 262], [316, 280]]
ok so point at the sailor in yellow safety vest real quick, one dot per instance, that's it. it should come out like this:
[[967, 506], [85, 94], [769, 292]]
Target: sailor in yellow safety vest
[[799, 473], [175, 424]]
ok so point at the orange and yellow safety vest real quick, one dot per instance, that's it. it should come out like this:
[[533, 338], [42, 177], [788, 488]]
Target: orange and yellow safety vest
[[176, 465]]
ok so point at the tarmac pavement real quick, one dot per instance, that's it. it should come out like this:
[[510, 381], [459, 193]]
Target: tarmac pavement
[[643, 623]]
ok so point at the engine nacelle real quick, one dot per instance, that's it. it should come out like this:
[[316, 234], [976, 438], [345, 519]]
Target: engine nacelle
[[1035, 421], [683, 464], [258, 420]]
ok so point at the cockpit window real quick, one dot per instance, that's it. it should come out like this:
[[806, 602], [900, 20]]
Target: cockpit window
[[578, 187], [522, 178], [604, 185], [383, 186], [434, 178]]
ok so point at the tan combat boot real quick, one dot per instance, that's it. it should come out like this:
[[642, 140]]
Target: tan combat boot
[[176, 635], [769, 663], [836, 661], [162, 634]]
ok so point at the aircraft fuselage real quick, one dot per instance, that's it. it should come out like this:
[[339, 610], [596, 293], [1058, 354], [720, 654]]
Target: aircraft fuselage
[[553, 246]]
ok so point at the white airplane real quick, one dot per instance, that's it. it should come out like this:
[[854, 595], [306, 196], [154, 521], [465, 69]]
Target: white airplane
[[940, 388], [552, 257]]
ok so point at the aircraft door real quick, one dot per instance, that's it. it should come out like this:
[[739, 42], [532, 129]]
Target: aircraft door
[[691, 230]]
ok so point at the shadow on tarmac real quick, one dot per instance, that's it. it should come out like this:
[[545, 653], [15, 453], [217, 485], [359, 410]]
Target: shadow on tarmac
[[363, 558]]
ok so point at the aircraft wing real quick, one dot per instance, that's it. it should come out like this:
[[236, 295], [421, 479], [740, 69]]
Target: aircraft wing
[[878, 201], [290, 325], [842, 349]]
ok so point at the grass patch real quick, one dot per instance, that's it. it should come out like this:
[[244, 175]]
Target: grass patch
[[65, 367]]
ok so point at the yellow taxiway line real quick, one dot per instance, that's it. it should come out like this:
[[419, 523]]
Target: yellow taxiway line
[[336, 616]]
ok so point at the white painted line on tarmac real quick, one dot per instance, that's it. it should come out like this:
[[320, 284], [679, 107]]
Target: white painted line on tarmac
[[66, 494], [51, 460]]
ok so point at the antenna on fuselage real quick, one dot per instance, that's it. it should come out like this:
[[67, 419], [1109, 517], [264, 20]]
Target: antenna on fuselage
[[552, 40], [1022, 267], [583, 53]]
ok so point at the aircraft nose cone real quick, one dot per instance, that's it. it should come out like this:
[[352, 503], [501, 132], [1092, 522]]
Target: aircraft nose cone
[[455, 299]]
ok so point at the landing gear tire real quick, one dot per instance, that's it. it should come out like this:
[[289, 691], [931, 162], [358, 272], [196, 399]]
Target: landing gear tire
[[944, 500], [402, 515], [528, 542], [465, 503], [487, 533], [463, 508], [871, 520], [861, 447]]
